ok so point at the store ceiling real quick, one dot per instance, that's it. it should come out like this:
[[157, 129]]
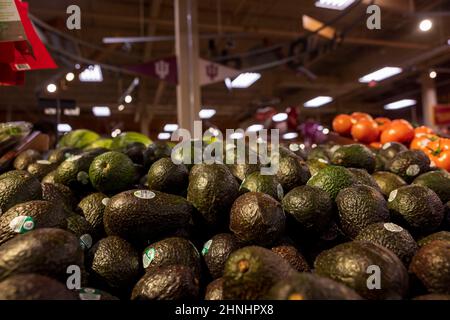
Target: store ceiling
[[255, 24]]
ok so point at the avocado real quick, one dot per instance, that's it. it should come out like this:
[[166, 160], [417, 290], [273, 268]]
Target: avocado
[[94, 294], [438, 181], [441, 235], [212, 191], [257, 218], [311, 207], [332, 179], [392, 237], [315, 165], [241, 170], [216, 251], [155, 151], [354, 156], [80, 138], [352, 264], [25, 158], [214, 290], [292, 172], [41, 168], [256, 182], [92, 207], [82, 229], [48, 252], [173, 282], [172, 251], [17, 187], [417, 208], [388, 182], [431, 265], [409, 164], [389, 150], [360, 206], [361, 176], [27, 216], [433, 296], [293, 256], [195, 155], [140, 216], [60, 194], [251, 272], [320, 152], [49, 178], [165, 176], [111, 172], [308, 286], [380, 163], [135, 151], [59, 155], [73, 172], [113, 263], [34, 287]]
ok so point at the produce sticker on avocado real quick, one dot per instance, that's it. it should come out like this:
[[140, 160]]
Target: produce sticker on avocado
[[144, 194], [89, 294], [413, 170], [43, 162], [392, 195], [392, 227], [149, 255], [22, 224], [105, 201], [280, 192], [86, 241], [74, 158], [206, 247]]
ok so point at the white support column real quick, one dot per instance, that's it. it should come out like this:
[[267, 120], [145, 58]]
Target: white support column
[[187, 50], [429, 99]]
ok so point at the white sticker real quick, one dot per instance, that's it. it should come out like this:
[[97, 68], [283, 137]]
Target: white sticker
[[334, 148], [83, 177], [86, 241], [89, 294], [413, 170], [74, 158], [280, 192], [386, 145], [392, 227], [392, 195], [144, 194], [105, 201], [22, 224], [294, 147], [43, 162], [206, 247], [322, 160], [149, 255]]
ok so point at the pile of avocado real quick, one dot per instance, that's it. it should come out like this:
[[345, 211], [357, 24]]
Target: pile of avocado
[[102, 220]]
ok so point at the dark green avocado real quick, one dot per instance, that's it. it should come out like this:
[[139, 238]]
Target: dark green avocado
[[59, 155], [389, 150], [156, 151], [216, 251], [441, 235], [388, 182], [82, 229], [60, 194], [165, 176], [268, 184], [409, 164], [332, 179], [257, 218], [17, 187], [361, 176], [25, 158], [92, 207], [292, 172], [214, 290], [438, 181], [173, 282], [354, 156], [293, 256], [74, 172], [41, 168]]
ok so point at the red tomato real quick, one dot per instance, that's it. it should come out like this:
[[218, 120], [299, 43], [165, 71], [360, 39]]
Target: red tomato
[[342, 124], [365, 131]]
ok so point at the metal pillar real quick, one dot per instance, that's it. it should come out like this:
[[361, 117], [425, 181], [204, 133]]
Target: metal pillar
[[429, 99], [188, 89]]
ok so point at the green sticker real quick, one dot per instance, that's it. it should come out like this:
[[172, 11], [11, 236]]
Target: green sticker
[[206, 247], [86, 241], [22, 224], [149, 255], [89, 294]]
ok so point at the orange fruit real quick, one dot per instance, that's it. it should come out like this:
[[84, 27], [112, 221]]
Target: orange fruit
[[423, 130], [361, 115], [342, 124], [421, 142], [398, 131], [365, 131], [383, 123]]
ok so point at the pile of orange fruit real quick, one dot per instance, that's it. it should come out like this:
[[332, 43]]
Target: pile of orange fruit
[[376, 132]]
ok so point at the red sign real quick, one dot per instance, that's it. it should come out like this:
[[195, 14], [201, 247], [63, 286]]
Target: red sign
[[442, 115]]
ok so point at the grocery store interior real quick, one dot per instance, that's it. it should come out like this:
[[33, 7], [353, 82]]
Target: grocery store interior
[[342, 107]]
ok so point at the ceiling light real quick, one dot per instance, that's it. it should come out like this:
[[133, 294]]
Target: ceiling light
[[400, 104], [381, 74], [115, 133], [279, 117], [425, 25], [52, 88], [78, 66], [290, 135], [170, 127], [70, 76], [334, 4], [92, 74], [121, 107], [50, 111], [64, 127], [318, 102], [245, 80], [75, 112], [255, 128], [433, 74], [164, 136], [237, 135], [206, 113], [101, 111], [128, 99]]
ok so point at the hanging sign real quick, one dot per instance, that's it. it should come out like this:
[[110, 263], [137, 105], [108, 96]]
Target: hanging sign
[[11, 28]]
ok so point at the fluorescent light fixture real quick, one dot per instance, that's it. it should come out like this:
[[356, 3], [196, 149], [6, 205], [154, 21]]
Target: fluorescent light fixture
[[334, 4], [290, 135], [433, 74], [51, 88], [92, 74], [381, 74], [115, 133], [425, 25], [245, 80], [128, 99], [164, 136], [101, 111], [64, 127], [170, 127], [206, 113], [121, 107], [279, 117], [70, 76], [400, 104], [236, 135], [50, 111], [318, 102], [255, 128], [75, 112]]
